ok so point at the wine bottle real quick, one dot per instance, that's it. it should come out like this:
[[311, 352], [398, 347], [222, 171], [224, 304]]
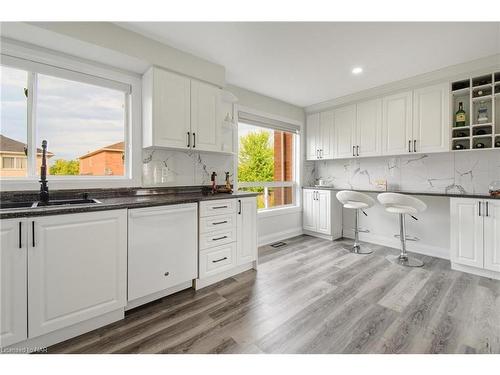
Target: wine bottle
[[460, 116]]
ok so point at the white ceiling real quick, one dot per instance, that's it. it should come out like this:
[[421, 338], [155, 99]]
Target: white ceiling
[[307, 63]]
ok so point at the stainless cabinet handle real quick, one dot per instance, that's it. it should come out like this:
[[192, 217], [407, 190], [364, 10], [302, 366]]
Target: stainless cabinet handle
[[409, 145], [317, 154], [20, 235], [479, 211], [166, 274], [487, 209], [219, 260], [189, 139], [194, 140], [357, 150], [414, 145], [353, 149], [239, 206], [219, 238], [220, 222], [33, 233], [219, 207]]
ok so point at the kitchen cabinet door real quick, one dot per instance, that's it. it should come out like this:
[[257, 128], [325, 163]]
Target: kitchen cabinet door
[[492, 236], [466, 232], [162, 248], [431, 119], [309, 210], [323, 209], [369, 128], [326, 135], [345, 131], [206, 124], [397, 124], [13, 279], [312, 136], [77, 268], [247, 230], [166, 109]]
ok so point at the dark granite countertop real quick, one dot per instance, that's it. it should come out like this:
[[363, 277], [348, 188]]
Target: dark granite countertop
[[431, 194], [113, 199]]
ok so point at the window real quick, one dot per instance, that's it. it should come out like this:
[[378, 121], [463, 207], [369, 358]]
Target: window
[[83, 118], [13, 119], [267, 163], [8, 162]]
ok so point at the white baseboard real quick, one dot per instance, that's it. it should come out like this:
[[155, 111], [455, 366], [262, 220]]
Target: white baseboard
[[413, 246], [475, 271], [283, 235], [41, 342], [202, 283]]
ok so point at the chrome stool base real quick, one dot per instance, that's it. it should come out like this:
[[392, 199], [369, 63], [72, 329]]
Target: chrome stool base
[[405, 261], [356, 249]]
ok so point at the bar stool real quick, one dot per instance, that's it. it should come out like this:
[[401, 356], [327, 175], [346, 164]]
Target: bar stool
[[403, 205], [356, 201]]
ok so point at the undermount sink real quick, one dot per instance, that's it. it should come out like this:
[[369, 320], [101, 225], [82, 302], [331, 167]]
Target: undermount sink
[[63, 202], [5, 205], [38, 204]]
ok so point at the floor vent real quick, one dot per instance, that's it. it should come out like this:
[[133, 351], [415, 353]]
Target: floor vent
[[278, 244]]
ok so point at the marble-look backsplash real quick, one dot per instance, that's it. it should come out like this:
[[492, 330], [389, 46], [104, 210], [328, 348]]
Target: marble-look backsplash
[[183, 168], [468, 172]]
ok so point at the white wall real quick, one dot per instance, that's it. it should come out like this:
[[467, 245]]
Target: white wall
[[432, 227]]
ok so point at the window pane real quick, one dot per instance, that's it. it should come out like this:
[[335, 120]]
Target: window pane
[[272, 197], [13, 120], [264, 154], [84, 126], [8, 162]]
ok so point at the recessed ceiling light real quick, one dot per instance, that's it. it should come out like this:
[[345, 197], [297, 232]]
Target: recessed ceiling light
[[357, 70]]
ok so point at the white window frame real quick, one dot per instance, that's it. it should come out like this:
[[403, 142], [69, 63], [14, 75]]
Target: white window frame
[[295, 184], [35, 59]]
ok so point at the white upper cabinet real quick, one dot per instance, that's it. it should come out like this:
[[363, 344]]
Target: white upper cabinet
[[345, 131], [166, 109], [180, 113], [397, 124], [205, 116], [369, 128], [326, 135], [312, 137], [13, 281], [431, 118]]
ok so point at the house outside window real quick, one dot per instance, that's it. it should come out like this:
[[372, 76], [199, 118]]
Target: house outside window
[[267, 160]]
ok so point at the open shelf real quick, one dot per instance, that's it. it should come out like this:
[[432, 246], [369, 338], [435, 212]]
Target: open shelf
[[480, 98]]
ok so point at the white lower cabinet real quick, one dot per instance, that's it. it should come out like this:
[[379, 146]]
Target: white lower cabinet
[[247, 230], [322, 213], [76, 268], [61, 270], [475, 235], [13, 282], [162, 248], [227, 240]]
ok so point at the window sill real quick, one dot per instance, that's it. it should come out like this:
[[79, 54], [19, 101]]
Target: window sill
[[278, 211]]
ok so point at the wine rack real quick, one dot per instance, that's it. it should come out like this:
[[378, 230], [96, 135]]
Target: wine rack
[[480, 97]]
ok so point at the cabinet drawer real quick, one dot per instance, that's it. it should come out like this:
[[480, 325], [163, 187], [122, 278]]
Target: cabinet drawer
[[216, 223], [218, 207], [217, 259], [208, 240]]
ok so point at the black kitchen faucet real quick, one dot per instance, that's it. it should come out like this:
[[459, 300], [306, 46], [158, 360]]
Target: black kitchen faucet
[[44, 189]]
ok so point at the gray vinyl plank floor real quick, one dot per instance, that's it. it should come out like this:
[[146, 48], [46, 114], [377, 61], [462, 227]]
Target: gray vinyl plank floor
[[314, 296]]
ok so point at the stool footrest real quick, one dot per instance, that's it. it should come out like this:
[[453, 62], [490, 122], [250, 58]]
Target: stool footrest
[[408, 237]]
